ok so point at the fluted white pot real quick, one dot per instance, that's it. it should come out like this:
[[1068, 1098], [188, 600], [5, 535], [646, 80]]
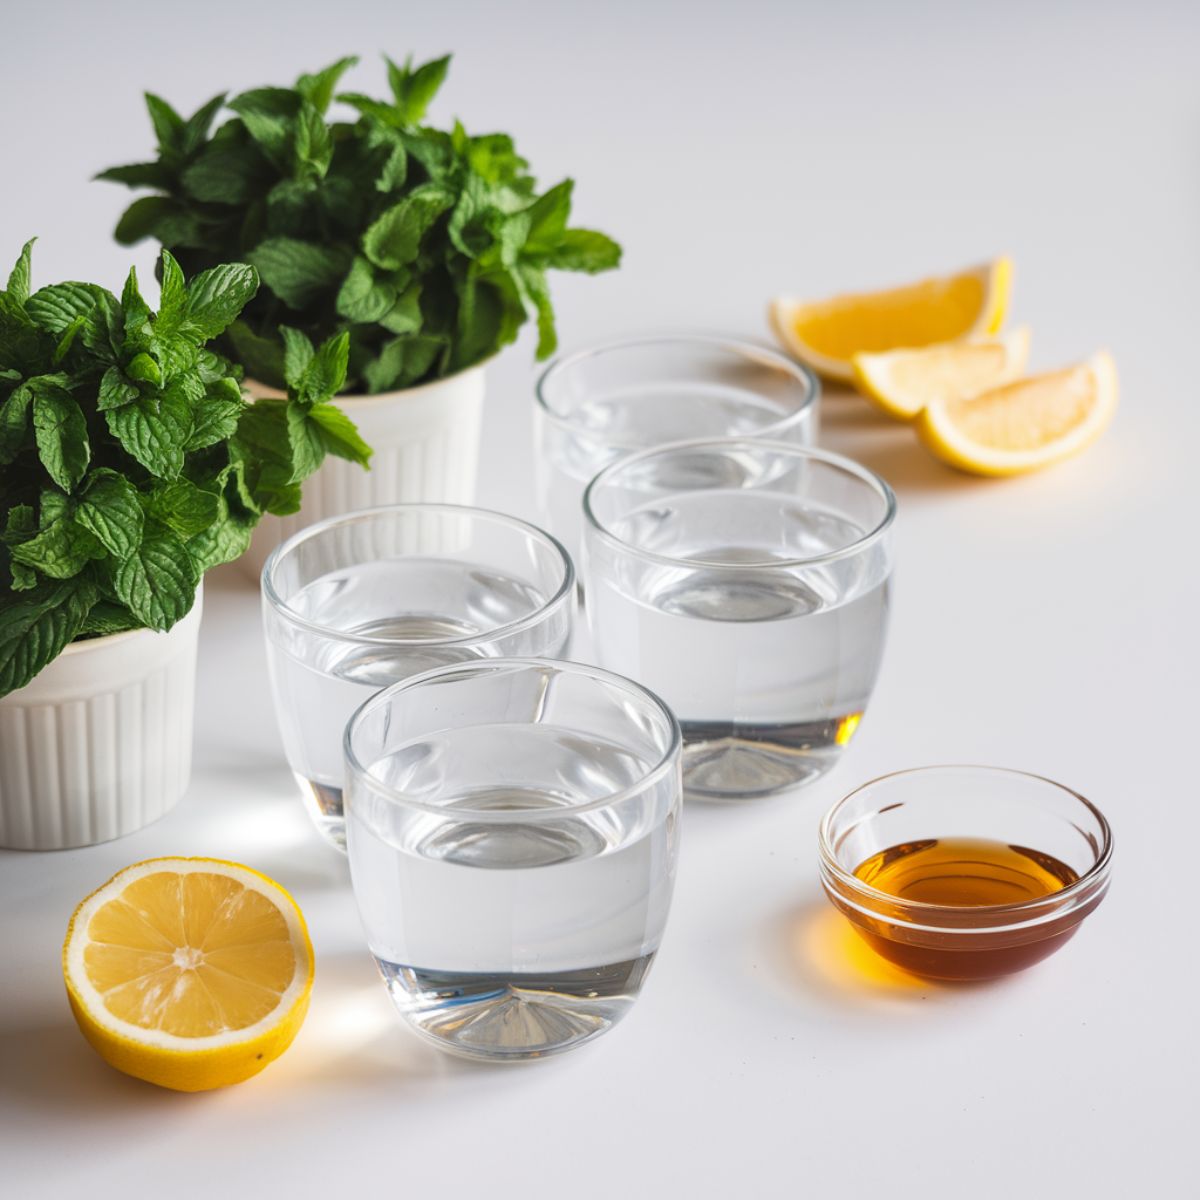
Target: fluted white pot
[[426, 448], [100, 743]]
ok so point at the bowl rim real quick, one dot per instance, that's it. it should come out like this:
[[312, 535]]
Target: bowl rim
[[869, 899]]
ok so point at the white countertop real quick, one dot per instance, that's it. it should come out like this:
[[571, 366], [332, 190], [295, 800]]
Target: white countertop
[[1047, 623]]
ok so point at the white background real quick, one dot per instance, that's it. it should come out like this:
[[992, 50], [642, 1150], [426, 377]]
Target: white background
[[1046, 623]]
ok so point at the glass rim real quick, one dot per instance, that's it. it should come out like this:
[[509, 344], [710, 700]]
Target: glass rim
[[744, 347], [1024, 912], [864, 474], [562, 595], [668, 760]]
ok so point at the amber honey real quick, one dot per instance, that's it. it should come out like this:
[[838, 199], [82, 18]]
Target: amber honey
[[962, 874]]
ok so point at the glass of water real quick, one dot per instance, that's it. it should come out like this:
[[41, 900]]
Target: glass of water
[[608, 400], [513, 829], [358, 602], [746, 582]]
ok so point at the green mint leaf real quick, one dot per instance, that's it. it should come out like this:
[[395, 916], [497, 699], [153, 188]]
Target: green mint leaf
[[14, 421], [405, 315], [375, 110], [226, 174], [339, 434], [154, 175], [584, 250], [269, 115], [62, 547], [107, 618], [297, 354], [313, 147], [414, 90], [196, 127], [174, 295], [395, 169], [158, 581], [144, 369], [56, 308], [215, 418], [318, 88], [111, 512], [403, 361], [548, 216], [63, 348], [304, 438], [168, 124], [394, 240], [363, 298], [156, 437], [18, 279], [60, 429], [298, 272], [144, 217], [183, 507], [491, 309], [216, 297], [534, 281], [115, 390], [261, 356], [325, 374], [35, 627], [224, 540], [135, 310]]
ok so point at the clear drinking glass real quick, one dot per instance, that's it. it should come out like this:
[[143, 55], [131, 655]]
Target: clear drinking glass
[[608, 400], [512, 828], [746, 582], [358, 602]]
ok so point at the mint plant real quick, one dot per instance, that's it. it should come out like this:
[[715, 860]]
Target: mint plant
[[428, 247], [130, 462]]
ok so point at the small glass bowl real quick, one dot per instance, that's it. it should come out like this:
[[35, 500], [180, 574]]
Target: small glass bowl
[[945, 942]]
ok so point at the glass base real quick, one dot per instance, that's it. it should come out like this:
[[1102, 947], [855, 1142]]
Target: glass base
[[324, 804], [511, 1017], [726, 761]]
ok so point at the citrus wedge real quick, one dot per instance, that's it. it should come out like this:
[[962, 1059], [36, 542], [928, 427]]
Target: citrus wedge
[[1023, 425], [191, 973], [902, 382], [827, 334]]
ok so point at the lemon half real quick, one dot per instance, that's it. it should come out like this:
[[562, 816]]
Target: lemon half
[[191, 973], [1024, 425], [827, 334], [902, 382]]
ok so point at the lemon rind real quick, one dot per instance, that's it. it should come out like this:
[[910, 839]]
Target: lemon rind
[[992, 311], [942, 439], [84, 994]]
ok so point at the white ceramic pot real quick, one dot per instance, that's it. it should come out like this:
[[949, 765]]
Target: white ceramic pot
[[426, 444], [100, 743]]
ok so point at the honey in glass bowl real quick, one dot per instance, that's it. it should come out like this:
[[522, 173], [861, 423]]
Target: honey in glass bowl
[[965, 873]]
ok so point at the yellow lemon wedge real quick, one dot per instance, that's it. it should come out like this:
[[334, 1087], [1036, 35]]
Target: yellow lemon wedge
[[902, 382], [826, 334], [191, 973], [1024, 425]]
